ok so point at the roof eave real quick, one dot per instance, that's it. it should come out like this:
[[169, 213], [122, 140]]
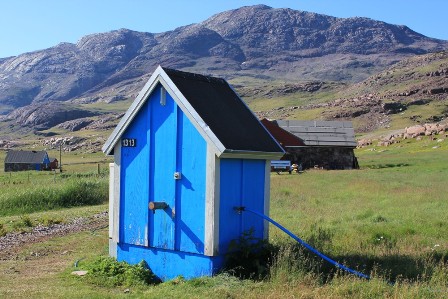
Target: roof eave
[[160, 76], [239, 154]]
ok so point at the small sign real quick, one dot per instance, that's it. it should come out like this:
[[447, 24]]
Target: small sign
[[128, 142]]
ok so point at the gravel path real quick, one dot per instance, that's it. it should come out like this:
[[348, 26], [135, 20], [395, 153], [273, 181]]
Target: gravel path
[[12, 242]]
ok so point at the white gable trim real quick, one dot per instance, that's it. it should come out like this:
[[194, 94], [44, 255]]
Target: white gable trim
[[159, 76], [191, 113]]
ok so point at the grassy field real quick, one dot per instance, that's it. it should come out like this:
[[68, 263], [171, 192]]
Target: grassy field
[[387, 219]]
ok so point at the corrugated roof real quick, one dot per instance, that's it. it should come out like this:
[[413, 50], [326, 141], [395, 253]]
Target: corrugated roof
[[285, 138], [26, 157], [321, 133]]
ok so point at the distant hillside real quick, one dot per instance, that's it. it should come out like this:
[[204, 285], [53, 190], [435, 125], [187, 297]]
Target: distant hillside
[[255, 41], [412, 91], [250, 46]]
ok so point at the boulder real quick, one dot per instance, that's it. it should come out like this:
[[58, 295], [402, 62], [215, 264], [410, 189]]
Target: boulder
[[415, 131]]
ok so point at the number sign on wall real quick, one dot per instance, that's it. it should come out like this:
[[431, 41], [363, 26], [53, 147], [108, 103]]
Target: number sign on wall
[[129, 142]]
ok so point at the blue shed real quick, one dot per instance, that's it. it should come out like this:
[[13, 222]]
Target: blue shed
[[187, 151]]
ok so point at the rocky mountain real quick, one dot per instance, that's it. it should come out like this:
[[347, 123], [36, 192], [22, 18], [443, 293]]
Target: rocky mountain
[[256, 42]]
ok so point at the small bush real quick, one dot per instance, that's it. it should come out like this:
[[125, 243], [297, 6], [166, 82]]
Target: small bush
[[23, 224], [49, 221], [3, 231], [26, 220], [379, 218], [439, 277], [292, 263], [108, 272], [249, 257], [384, 240], [321, 238]]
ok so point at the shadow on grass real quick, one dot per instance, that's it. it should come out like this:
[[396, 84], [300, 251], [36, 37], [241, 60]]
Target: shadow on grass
[[270, 258], [388, 165], [392, 267]]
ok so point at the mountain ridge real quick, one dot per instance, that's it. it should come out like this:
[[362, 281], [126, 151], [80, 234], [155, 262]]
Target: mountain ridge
[[252, 41]]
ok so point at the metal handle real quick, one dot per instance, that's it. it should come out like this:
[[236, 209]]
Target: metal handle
[[157, 205]]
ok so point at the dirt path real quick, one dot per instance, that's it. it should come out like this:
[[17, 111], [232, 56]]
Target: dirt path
[[12, 242]]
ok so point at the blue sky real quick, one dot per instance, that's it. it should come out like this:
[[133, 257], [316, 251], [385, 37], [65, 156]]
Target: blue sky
[[29, 25]]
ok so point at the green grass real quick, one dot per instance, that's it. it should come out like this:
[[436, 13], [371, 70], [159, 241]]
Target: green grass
[[387, 219], [72, 193]]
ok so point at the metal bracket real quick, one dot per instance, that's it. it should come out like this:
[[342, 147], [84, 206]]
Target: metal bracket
[[239, 210]]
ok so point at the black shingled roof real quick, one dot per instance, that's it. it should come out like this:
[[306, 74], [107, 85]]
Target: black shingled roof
[[27, 157], [224, 112]]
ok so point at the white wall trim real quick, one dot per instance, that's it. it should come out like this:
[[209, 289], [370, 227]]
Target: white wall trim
[[211, 238], [116, 194], [111, 198], [131, 112], [267, 197]]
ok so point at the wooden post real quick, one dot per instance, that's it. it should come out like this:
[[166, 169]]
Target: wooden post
[[60, 157]]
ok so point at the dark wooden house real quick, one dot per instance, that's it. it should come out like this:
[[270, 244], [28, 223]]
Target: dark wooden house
[[26, 160], [316, 144]]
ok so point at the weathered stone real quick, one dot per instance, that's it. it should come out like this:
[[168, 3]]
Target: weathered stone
[[415, 131], [79, 272]]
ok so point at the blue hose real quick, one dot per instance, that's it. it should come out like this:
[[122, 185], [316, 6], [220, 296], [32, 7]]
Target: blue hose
[[306, 245]]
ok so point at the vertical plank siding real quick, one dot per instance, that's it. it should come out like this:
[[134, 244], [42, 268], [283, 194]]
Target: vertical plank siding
[[134, 184], [163, 139], [192, 153], [242, 184]]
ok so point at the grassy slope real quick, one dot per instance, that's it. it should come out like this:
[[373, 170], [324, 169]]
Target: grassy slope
[[392, 213]]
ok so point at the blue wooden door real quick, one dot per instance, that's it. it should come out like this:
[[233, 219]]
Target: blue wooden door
[[166, 143], [163, 137]]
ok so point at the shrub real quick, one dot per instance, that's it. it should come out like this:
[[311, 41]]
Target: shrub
[[26, 220], [48, 221], [2, 230], [249, 257], [108, 272]]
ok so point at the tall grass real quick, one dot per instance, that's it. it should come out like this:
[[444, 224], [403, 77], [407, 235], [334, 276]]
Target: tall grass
[[70, 193], [387, 219]]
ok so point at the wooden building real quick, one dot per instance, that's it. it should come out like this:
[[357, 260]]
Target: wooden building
[[316, 144], [26, 160], [186, 153], [54, 163]]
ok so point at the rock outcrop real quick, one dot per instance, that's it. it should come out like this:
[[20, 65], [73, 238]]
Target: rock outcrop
[[46, 115], [435, 131]]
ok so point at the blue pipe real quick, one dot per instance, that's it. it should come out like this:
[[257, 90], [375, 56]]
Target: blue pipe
[[306, 245]]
